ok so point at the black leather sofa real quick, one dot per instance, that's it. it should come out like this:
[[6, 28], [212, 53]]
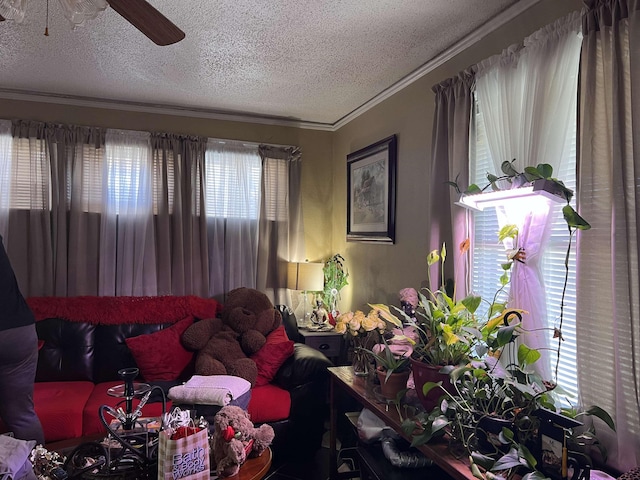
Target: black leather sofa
[[79, 361]]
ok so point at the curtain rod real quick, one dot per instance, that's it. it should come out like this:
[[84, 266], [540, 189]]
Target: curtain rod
[[219, 140], [250, 144]]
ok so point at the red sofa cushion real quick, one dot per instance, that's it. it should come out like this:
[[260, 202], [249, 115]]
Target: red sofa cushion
[[59, 407], [91, 420], [160, 355], [269, 403], [272, 355]]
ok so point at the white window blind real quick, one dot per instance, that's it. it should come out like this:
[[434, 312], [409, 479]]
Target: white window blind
[[30, 181], [276, 189], [5, 163], [488, 254], [232, 180]]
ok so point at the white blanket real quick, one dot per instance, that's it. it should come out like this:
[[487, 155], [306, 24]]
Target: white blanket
[[14, 456], [210, 390]]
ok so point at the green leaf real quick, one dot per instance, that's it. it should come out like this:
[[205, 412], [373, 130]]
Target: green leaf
[[527, 356], [484, 461], [421, 439], [505, 335], [573, 219], [454, 185], [428, 386], [527, 455], [507, 168], [507, 461], [492, 178], [457, 373], [545, 170], [535, 475], [507, 434], [602, 415], [504, 279], [475, 471], [508, 231], [532, 173], [473, 189], [439, 423], [472, 302]]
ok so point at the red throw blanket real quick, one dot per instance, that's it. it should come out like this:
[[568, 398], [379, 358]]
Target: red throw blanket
[[122, 310]]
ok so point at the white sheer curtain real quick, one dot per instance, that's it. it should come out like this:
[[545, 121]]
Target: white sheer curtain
[[608, 258], [527, 96], [126, 231], [232, 191], [5, 171]]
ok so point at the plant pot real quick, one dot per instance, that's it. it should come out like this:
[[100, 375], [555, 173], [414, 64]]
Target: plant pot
[[423, 373], [487, 431], [396, 382]]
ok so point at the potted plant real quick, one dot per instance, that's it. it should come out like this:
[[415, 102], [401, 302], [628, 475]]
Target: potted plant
[[362, 331], [448, 331], [392, 367], [335, 279]]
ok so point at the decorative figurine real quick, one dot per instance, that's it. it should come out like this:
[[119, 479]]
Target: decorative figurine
[[320, 316]]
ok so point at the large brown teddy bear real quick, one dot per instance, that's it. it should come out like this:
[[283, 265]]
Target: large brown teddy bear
[[225, 344], [235, 439]]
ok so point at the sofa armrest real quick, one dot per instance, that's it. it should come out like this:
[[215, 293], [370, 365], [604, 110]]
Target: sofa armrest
[[304, 366]]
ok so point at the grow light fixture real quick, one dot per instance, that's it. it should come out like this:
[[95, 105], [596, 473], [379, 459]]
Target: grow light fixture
[[542, 187]]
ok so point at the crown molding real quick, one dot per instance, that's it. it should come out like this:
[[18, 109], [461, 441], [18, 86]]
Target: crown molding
[[428, 67], [30, 96], [474, 37]]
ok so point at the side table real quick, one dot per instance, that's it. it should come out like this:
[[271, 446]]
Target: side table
[[254, 468], [330, 343]]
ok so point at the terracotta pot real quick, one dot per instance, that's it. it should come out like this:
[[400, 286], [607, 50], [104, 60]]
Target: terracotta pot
[[423, 373], [394, 384]]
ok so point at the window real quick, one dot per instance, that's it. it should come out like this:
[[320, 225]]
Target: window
[[488, 254], [232, 180], [30, 180]]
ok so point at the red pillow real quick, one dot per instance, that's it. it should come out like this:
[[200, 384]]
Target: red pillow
[[40, 344], [160, 355], [272, 355]]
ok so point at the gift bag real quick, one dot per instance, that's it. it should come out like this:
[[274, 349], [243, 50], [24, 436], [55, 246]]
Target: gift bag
[[184, 457]]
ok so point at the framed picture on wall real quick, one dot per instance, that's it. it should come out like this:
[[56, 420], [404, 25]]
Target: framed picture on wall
[[371, 192]]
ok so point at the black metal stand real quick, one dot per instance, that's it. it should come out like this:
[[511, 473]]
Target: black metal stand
[[131, 451]]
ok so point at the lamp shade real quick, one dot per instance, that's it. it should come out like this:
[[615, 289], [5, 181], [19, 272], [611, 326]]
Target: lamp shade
[[305, 276]]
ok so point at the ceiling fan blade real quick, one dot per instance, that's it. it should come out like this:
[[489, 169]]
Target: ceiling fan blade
[[142, 15]]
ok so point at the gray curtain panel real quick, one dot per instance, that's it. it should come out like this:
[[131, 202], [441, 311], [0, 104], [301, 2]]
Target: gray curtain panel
[[608, 307], [450, 159]]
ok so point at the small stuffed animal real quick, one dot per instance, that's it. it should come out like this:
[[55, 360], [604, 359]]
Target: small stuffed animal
[[235, 439], [225, 344]]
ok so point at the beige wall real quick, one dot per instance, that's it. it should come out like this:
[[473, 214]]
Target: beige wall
[[378, 272]]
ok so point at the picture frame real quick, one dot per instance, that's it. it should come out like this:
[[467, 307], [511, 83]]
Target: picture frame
[[371, 192], [554, 459]]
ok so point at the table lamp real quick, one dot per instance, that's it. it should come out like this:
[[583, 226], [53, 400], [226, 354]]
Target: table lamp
[[305, 277]]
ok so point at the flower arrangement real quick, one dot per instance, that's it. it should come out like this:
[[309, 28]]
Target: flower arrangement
[[364, 332]]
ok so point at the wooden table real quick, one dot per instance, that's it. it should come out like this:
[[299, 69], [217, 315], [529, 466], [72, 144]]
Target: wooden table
[[342, 378], [254, 468]]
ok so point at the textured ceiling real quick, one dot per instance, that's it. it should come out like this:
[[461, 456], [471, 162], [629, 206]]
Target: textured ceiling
[[308, 60]]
